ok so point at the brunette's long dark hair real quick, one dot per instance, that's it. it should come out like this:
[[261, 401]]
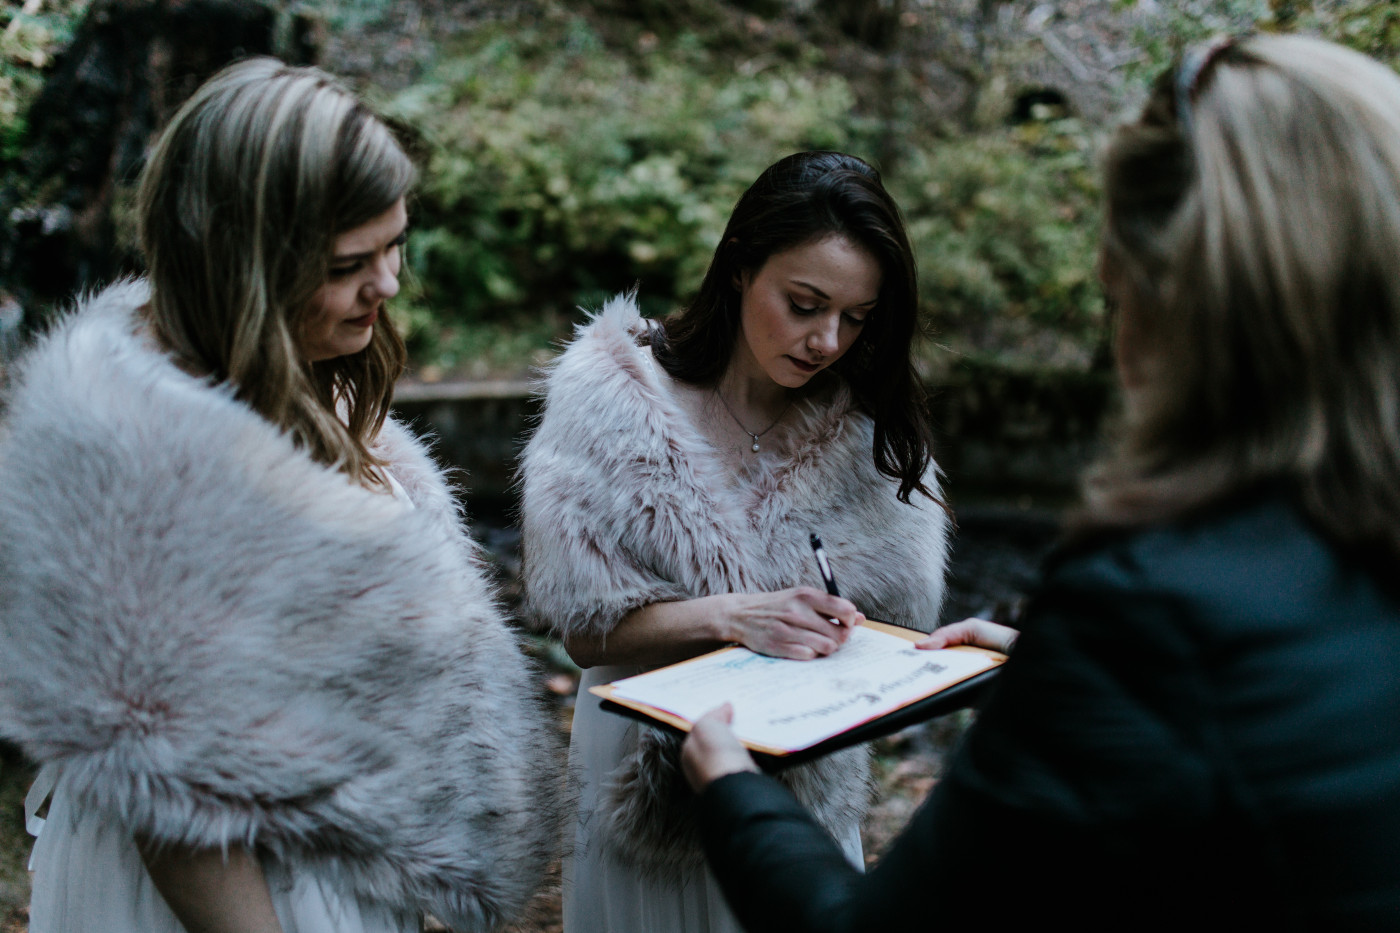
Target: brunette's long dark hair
[[797, 200]]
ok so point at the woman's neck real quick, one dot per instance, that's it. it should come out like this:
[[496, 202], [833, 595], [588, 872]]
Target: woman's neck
[[749, 392], [754, 402]]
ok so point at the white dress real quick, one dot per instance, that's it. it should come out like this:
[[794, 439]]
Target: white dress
[[89, 876]]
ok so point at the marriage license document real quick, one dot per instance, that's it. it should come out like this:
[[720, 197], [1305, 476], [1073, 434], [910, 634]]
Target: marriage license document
[[783, 706]]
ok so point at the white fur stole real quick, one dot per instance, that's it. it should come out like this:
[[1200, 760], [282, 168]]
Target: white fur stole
[[224, 642]]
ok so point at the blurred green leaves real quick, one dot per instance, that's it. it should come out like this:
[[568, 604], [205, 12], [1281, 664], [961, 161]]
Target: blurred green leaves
[[572, 152], [1004, 224], [559, 172], [31, 34], [1369, 26]]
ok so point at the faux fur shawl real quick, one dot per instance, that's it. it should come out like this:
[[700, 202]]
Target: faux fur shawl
[[222, 641], [625, 504]]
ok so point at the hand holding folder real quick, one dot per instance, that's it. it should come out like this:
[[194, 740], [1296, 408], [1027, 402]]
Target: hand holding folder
[[796, 710], [788, 711]]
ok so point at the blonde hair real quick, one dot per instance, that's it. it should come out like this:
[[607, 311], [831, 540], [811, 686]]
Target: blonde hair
[[240, 204], [1260, 247]]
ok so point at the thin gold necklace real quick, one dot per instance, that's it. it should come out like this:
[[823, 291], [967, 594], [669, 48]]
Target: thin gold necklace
[[741, 424]]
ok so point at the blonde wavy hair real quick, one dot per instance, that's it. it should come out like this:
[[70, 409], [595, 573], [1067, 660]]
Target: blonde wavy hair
[[1253, 215], [240, 204]]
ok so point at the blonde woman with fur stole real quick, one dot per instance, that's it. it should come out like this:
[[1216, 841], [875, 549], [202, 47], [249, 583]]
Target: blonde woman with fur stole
[[243, 628], [670, 489], [1200, 727]]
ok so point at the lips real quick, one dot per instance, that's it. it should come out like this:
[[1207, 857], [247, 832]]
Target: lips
[[366, 320], [804, 367]]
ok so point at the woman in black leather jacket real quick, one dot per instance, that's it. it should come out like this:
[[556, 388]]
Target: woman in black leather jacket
[[1200, 727]]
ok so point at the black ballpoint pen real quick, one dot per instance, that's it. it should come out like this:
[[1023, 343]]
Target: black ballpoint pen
[[824, 566]]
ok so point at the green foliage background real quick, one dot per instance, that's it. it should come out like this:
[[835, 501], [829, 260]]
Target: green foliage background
[[573, 154], [559, 171], [30, 36], [562, 168]]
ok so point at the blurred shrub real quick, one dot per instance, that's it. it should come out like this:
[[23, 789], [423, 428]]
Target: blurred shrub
[[1004, 224], [30, 35], [1369, 26], [560, 167], [559, 172]]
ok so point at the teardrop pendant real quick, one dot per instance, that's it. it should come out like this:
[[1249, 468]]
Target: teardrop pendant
[[751, 434]]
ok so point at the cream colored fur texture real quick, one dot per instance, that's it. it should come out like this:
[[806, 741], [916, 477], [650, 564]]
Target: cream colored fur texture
[[625, 504], [222, 641]]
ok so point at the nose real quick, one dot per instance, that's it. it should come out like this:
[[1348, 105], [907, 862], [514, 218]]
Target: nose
[[385, 282], [824, 337]]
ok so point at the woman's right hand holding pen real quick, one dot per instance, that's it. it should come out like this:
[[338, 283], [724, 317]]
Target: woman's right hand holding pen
[[800, 623]]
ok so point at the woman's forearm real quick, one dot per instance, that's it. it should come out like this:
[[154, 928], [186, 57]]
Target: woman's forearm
[[655, 634], [800, 623], [210, 892]]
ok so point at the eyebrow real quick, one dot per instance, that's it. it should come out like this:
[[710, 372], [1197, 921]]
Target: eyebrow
[[825, 297], [347, 257]]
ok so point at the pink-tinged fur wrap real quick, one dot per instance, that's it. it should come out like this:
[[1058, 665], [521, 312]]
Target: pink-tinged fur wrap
[[625, 504]]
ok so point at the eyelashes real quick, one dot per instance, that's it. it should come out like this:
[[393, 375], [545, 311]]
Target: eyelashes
[[804, 311], [350, 268]]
